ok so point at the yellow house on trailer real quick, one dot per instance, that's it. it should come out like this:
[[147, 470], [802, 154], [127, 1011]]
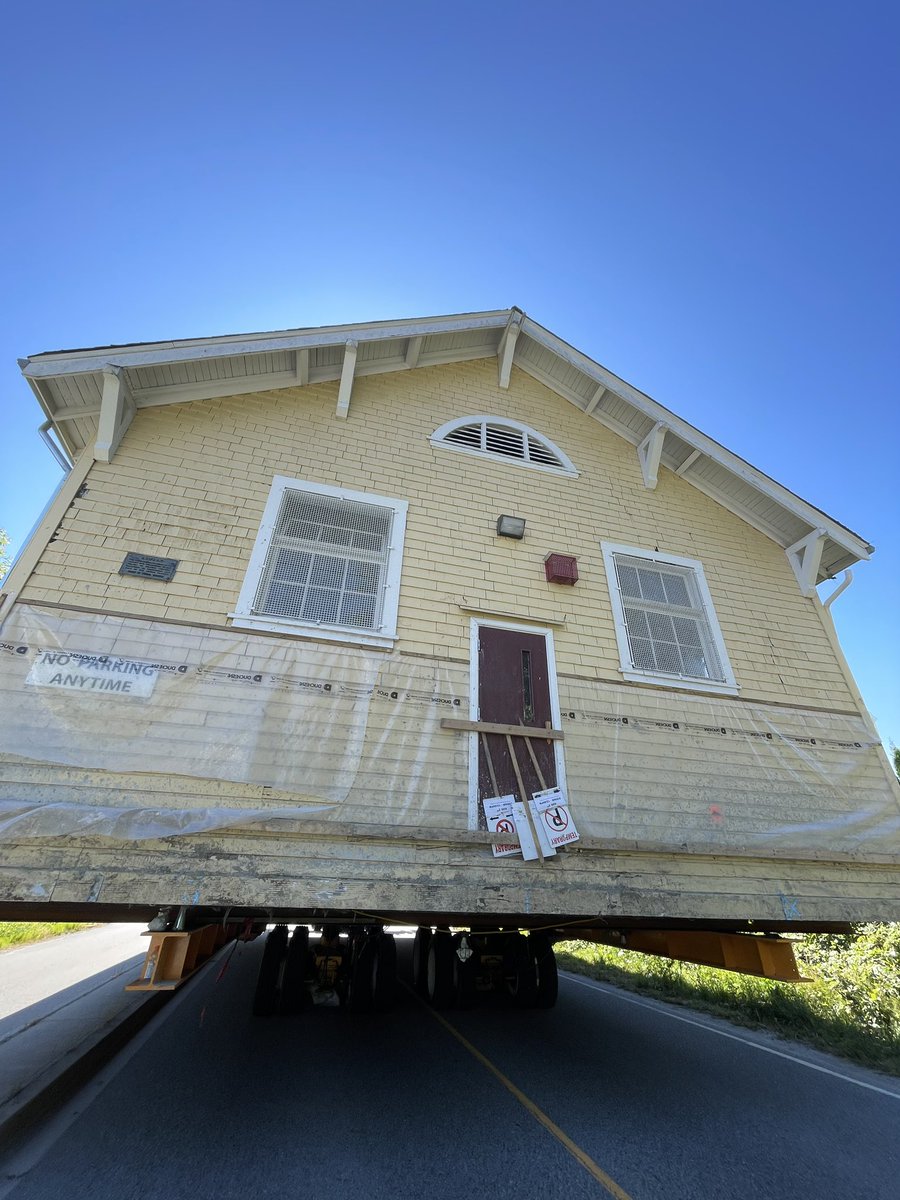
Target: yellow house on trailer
[[305, 600]]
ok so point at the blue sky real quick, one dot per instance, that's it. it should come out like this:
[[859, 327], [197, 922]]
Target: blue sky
[[701, 196]]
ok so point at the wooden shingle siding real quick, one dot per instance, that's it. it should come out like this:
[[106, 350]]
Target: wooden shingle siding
[[190, 482]]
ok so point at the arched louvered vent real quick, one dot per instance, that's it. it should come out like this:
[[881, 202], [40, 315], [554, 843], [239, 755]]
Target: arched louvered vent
[[503, 440]]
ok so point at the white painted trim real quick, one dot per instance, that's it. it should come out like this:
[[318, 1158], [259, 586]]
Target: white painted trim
[[243, 614], [30, 554], [76, 412], [475, 624], [245, 385], [69, 362], [688, 462], [301, 367], [312, 632], [727, 686], [805, 557], [437, 440], [596, 400], [413, 350], [649, 452], [506, 348], [116, 412], [718, 453], [346, 385], [403, 331]]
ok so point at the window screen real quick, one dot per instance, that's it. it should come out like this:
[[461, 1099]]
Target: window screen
[[667, 624], [326, 561]]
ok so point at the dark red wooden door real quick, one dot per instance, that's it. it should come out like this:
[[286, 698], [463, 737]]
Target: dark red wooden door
[[513, 688]]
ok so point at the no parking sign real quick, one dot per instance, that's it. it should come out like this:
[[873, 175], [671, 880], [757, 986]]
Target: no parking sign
[[551, 812]]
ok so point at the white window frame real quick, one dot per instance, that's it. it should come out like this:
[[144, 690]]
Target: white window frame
[[567, 469], [727, 687], [243, 616]]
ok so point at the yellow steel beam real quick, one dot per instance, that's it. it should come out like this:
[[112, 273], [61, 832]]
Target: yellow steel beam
[[745, 953]]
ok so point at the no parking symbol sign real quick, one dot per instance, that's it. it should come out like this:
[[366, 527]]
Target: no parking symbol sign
[[552, 811]]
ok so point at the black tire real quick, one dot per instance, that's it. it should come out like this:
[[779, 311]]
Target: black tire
[[420, 961], [520, 971], [439, 976], [294, 993], [360, 993], [465, 972], [547, 974], [384, 977], [265, 998]]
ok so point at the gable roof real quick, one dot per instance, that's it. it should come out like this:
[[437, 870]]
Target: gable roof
[[72, 386]]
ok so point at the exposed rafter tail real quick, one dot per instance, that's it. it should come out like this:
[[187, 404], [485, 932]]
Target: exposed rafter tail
[[596, 400], [688, 462]]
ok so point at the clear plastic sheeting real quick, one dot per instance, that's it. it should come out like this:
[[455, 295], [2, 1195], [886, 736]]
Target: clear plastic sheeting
[[22, 820], [357, 730], [137, 729], [689, 771]]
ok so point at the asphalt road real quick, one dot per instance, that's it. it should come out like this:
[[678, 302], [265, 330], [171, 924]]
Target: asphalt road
[[605, 1095]]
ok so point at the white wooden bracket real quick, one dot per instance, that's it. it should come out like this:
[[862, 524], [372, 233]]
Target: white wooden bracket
[[649, 452], [507, 348], [805, 558], [346, 384], [116, 412], [301, 367], [413, 350]]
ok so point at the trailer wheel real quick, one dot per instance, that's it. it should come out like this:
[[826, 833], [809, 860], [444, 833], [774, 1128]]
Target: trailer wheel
[[420, 960], [520, 971], [265, 998], [439, 982], [545, 966], [294, 996]]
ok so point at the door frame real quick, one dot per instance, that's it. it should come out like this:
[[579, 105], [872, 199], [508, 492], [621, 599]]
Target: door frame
[[476, 624]]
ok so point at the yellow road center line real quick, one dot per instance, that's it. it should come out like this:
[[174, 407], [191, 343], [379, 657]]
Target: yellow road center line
[[539, 1115]]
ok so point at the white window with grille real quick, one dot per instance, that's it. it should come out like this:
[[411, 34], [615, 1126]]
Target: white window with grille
[[503, 440], [326, 563], [666, 626]]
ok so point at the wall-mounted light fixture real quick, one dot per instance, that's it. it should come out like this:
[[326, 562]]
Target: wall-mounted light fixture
[[511, 527]]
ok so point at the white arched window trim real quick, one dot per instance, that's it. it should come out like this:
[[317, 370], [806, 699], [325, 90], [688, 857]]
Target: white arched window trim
[[566, 467]]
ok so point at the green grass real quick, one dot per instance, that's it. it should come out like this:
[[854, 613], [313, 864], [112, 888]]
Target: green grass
[[851, 1007], [18, 933]]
